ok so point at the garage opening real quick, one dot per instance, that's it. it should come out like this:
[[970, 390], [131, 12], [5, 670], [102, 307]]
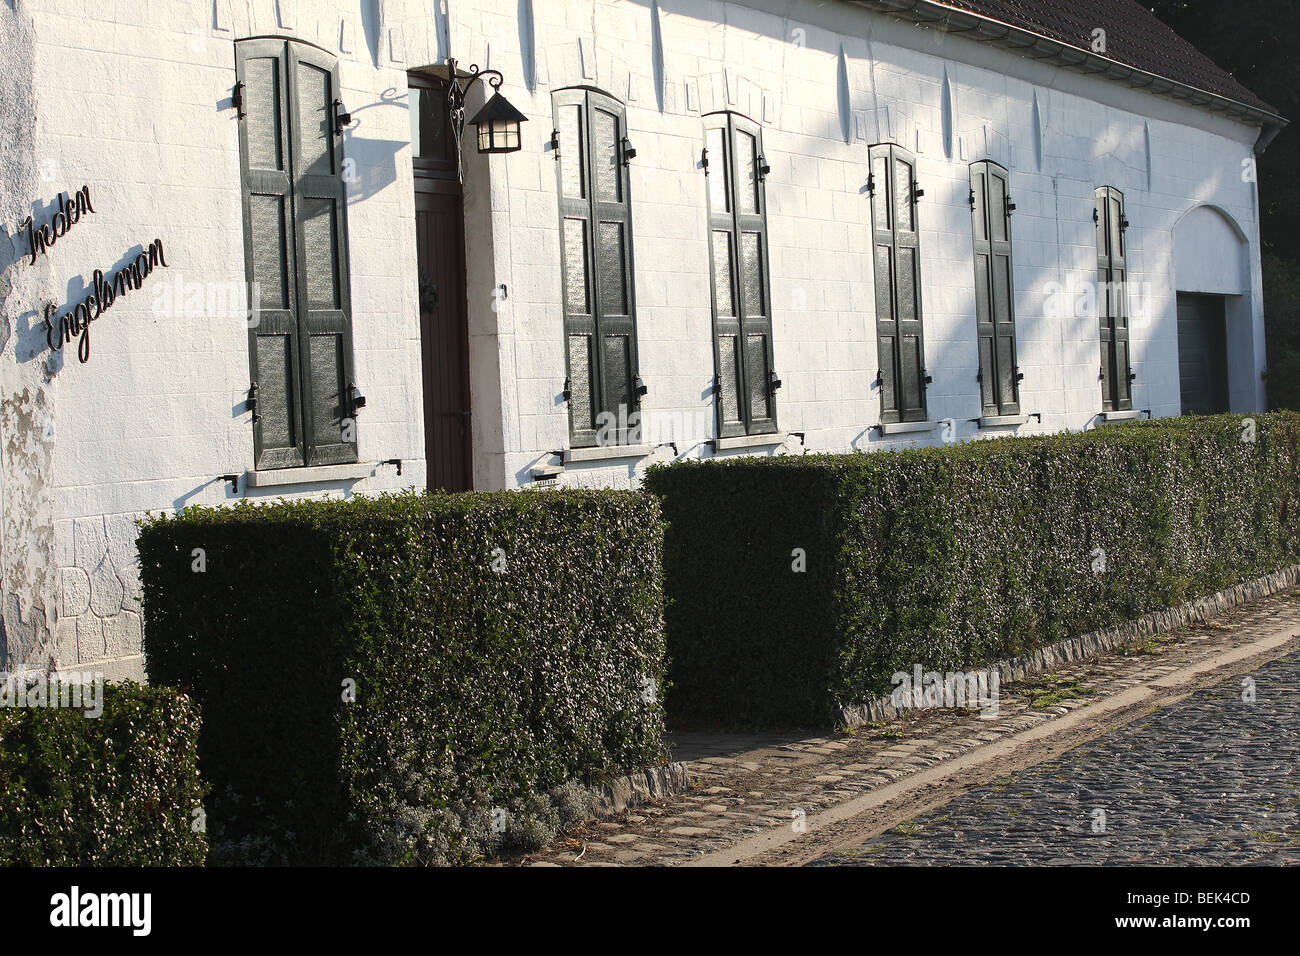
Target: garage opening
[[1202, 354]]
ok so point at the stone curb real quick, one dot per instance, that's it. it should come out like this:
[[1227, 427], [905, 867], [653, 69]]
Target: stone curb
[[1095, 643], [653, 783]]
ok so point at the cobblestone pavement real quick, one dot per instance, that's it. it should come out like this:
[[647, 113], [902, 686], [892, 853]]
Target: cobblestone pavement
[[1210, 780], [754, 783]]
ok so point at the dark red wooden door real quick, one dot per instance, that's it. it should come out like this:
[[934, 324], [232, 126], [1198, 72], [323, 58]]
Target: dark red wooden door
[[444, 334]]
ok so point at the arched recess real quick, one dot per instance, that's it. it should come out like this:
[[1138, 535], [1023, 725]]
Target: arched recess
[[1220, 331], [1211, 253]]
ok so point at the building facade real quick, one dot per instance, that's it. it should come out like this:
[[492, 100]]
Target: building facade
[[246, 260]]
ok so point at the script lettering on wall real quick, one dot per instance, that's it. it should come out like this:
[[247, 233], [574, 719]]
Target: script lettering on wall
[[75, 323], [71, 209]]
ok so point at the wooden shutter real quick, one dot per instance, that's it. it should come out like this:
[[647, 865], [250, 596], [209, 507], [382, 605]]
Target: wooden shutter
[[320, 198], [269, 258], [1112, 299], [994, 290], [295, 231], [896, 253], [596, 244], [738, 257]]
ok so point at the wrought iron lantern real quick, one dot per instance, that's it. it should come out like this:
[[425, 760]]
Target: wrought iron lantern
[[498, 126], [498, 122]]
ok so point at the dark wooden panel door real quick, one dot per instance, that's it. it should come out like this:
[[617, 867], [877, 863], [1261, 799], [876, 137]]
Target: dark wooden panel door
[[444, 334], [1202, 355]]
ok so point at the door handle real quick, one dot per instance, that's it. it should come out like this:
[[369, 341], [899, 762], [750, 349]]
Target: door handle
[[428, 294]]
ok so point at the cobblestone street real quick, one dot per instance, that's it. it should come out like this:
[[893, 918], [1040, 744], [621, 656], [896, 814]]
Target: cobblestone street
[[1210, 780]]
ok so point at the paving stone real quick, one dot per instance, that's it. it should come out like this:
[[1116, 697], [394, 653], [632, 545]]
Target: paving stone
[[1149, 779], [778, 773]]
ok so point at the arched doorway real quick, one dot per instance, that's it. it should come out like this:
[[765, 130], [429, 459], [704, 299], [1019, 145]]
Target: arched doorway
[[1216, 327]]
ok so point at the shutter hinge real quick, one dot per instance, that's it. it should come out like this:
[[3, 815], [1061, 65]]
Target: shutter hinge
[[704, 160], [639, 386], [355, 399], [926, 379], [773, 383], [971, 199], [871, 184], [916, 193], [1123, 222], [629, 152], [880, 378], [252, 402], [1101, 373], [1020, 376], [342, 118], [763, 168], [1010, 206], [1132, 376], [237, 98], [979, 376], [555, 144], [1096, 218], [568, 392]]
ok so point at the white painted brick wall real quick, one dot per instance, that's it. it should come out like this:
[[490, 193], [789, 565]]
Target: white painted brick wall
[[134, 100]]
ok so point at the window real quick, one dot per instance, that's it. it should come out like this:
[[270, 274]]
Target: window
[[1112, 304], [744, 380], [602, 386], [431, 139], [295, 253], [896, 253], [995, 317]]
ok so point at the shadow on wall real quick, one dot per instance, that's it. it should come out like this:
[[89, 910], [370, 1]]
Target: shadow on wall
[[370, 164]]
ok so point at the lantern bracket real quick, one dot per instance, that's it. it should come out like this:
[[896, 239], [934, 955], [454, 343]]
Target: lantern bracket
[[458, 88]]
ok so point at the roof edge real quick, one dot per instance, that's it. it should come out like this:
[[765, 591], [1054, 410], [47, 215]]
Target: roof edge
[[990, 29]]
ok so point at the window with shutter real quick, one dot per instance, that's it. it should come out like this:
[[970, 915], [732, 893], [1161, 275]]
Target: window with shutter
[[744, 377], [995, 318], [896, 254], [1112, 299], [596, 257], [295, 253]]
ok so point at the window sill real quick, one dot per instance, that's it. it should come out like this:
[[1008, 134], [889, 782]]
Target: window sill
[[749, 441], [546, 473], [605, 453], [902, 428], [305, 476], [1127, 415], [1003, 421]]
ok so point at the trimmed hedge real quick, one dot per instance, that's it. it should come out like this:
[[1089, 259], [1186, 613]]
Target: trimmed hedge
[[953, 556], [501, 645], [120, 789]]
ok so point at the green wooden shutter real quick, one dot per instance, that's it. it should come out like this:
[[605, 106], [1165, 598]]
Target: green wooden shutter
[[596, 244], [739, 270], [727, 348], [612, 245], [295, 229], [320, 198], [896, 253], [994, 290], [261, 69], [1112, 299]]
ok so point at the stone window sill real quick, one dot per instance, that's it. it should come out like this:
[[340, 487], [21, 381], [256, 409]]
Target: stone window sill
[[749, 441], [306, 476], [605, 453], [902, 428], [1003, 421], [1127, 415]]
